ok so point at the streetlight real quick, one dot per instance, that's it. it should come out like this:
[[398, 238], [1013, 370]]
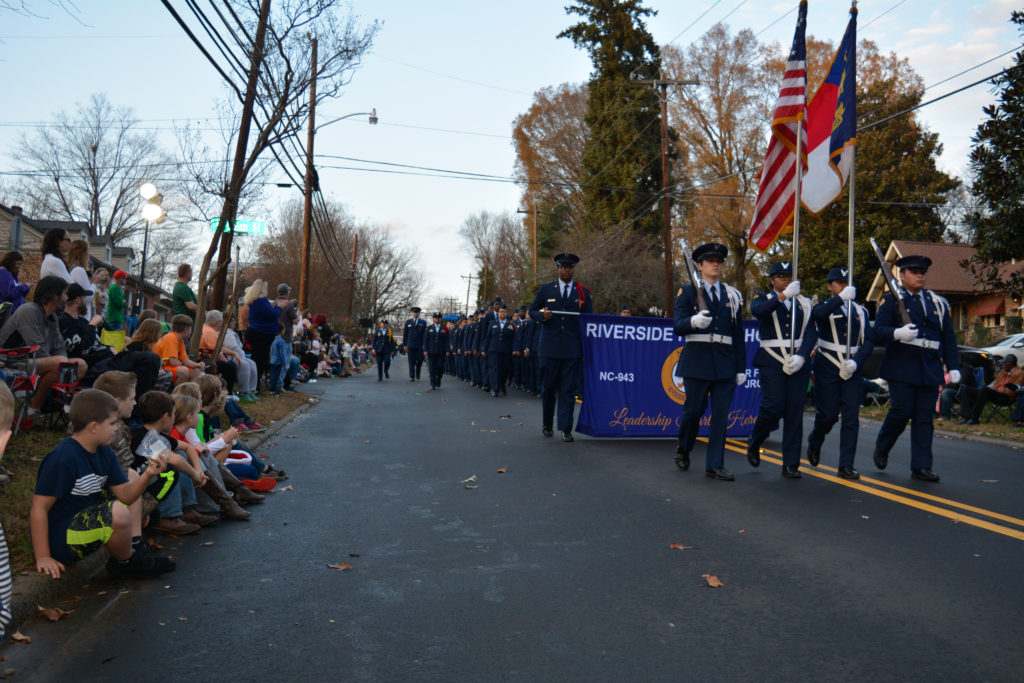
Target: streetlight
[[308, 195], [152, 212]]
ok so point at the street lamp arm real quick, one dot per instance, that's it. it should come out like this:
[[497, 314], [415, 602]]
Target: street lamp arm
[[372, 114]]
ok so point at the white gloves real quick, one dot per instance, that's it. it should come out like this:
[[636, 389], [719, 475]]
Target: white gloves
[[848, 293], [701, 321], [741, 379], [793, 364], [849, 367], [905, 333], [954, 377], [792, 289]]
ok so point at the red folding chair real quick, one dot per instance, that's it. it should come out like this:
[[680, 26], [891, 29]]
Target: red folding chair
[[23, 381], [63, 391]]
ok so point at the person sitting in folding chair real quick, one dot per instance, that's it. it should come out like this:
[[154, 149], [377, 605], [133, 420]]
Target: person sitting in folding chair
[[35, 323], [1002, 391]]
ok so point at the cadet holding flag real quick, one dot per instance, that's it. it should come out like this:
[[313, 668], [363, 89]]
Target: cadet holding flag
[[837, 365], [713, 362], [786, 344]]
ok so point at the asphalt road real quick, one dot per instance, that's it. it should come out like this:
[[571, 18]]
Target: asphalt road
[[561, 568]]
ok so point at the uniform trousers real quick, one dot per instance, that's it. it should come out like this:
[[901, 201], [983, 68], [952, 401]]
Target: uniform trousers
[[500, 363], [559, 378], [834, 395], [436, 369], [383, 364], [782, 398], [415, 362], [483, 372], [697, 392], [914, 402]]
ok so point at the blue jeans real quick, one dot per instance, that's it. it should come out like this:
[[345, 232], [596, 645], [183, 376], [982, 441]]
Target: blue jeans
[[181, 496], [279, 375]]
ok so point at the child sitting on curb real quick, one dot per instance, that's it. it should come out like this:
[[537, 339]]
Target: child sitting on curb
[[6, 418], [81, 496]]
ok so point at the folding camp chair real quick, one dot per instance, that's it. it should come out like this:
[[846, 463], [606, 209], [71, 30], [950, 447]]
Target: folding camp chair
[[20, 373], [876, 392], [62, 392]]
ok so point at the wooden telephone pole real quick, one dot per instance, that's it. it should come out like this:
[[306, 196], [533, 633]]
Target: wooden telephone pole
[[308, 192]]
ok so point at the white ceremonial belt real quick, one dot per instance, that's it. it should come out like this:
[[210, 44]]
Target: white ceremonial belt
[[779, 343], [709, 338], [923, 343], [836, 348]]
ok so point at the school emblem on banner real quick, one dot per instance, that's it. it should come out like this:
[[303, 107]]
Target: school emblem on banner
[[674, 386]]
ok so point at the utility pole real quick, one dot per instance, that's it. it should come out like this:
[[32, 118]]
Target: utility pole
[[308, 193], [666, 202], [535, 213], [469, 283], [352, 279]]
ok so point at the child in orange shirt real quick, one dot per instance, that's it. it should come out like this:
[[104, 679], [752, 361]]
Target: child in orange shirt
[[171, 349]]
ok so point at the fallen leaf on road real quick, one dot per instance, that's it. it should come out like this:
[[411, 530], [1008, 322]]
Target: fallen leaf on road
[[207, 544], [366, 441], [292, 436], [444, 399], [53, 613], [262, 456], [680, 546], [520, 424], [483, 430], [712, 581], [468, 480], [472, 486], [19, 637], [341, 567], [864, 517], [989, 481], [502, 470], [8, 672], [472, 424], [289, 487], [182, 618], [154, 545], [505, 417]]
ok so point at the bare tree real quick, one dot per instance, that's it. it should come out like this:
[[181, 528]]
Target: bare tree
[[88, 167], [387, 282], [497, 244]]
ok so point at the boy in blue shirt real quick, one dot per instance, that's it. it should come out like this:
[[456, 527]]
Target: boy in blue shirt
[[82, 495]]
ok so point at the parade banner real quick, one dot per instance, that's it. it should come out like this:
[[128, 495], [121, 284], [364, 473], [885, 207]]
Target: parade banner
[[629, 382]]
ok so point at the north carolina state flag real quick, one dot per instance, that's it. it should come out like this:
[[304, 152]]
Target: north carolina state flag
[[832, 127]]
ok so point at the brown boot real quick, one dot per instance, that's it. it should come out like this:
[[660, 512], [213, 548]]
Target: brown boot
[[241, 492], [173, 525], [196, 517], [228, 507]]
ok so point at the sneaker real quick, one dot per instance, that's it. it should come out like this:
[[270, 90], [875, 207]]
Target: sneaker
[[274, 393], [232, 397], [140, 566], [240, 427], [255, 426], [261, 484], [277, 474]]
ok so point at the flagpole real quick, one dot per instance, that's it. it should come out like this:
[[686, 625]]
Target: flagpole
[[796, 231], [849, 249]]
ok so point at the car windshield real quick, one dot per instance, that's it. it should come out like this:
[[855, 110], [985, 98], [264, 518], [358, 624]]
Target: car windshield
[[1007, 341]]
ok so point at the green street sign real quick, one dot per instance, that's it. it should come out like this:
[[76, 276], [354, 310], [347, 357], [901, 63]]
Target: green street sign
[[242, 227]]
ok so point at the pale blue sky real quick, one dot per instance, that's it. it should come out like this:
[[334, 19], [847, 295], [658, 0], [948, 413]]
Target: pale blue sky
[[453, 65]]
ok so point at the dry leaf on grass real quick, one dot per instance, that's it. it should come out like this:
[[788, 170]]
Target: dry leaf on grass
[[502, 470], [340, 567], [19, 637], [680, 546], [53, 613], [712, 581]]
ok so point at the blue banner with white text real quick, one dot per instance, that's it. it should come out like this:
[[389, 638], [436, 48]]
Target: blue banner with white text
[[629, 382]]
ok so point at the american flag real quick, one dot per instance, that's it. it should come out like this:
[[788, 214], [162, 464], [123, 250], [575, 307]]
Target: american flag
[[773, 211]]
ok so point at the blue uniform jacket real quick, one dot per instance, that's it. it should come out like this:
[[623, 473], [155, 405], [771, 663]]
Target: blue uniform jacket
[[501, 340], [436, 339], [708, 360], [469, 338], [833, 311], [560, 337], [913, 364], [412, 335], [383, 342], [521, 330], [762, 308]]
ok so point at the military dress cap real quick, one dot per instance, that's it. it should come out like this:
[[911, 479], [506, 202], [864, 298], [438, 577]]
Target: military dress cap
[[384, 321], [839, 273], [624, 308], [780, 268], [711, 249], [565, 260], [914, 262], [503, 307], [415, 309], [497, 299], [438, 315]]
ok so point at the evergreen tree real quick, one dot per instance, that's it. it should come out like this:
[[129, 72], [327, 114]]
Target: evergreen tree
[[622, 157]]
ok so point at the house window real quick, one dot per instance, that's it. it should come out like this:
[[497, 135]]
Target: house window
[[991, 320]]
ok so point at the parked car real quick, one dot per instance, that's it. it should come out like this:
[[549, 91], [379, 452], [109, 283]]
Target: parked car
[[968, 355], [1013, 344]]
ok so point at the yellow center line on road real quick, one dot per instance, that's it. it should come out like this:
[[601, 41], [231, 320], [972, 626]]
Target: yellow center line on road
[[864, 484]]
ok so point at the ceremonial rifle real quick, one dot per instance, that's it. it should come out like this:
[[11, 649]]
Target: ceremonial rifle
[[698, 285], [892, 283]]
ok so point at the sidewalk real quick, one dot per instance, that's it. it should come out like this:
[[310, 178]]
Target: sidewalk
[[32, 589]]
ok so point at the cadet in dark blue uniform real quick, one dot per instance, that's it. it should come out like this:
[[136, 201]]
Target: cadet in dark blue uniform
[[500, 340], [838, 375], [561, 343], [714, 360], [516, 377], [784, 376], [912, 365], [435, 343], [412, 342], [383, 349], [465, 344], [625, 311]]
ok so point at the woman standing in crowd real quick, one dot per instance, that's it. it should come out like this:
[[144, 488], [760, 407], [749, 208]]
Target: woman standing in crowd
[[100, 284], [10, 289], [261, 326], [56, 245], [78, 262]]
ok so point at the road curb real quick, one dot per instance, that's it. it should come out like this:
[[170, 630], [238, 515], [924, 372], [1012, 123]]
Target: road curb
[[990, 440], [31, 588]]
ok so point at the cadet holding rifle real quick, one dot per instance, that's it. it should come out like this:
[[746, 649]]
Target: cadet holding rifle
[[713, 361], [916, 326]]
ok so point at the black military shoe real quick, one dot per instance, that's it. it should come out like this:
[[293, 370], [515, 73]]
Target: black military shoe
[[881, 459], [546, 431], [848, 473], [791, 472], [754, 453], [682, 458], [720, 473], [567, 437], [813, 454], [924, 475]]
